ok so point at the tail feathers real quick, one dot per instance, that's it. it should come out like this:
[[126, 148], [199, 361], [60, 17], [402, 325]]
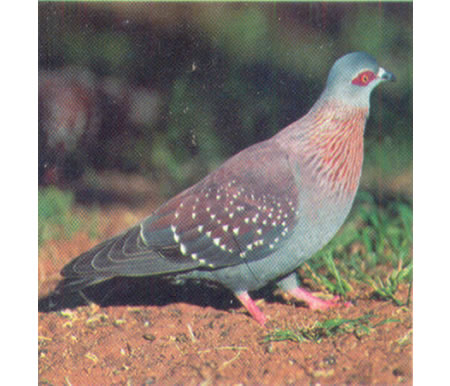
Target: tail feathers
[[122, 255]]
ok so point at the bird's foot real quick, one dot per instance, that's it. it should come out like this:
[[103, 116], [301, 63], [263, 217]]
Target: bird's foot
[[314, 302], [251, 307]]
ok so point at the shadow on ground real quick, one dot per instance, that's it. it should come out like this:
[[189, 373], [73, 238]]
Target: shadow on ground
[[145, 291]]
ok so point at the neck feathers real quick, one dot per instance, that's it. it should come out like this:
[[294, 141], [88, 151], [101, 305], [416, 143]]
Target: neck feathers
[[332, 145]]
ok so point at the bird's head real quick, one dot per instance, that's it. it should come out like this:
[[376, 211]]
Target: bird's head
[[353, 77]]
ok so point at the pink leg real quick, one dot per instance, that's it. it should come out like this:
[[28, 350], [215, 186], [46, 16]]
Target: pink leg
[[251, 307], [314, 302]]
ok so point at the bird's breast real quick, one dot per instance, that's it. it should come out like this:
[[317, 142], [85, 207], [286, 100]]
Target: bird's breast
[[331, 156], [328, 168]]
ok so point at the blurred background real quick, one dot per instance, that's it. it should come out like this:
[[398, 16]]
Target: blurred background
[[138, 101]]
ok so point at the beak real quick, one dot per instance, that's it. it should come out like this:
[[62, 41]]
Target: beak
[[386, 75]]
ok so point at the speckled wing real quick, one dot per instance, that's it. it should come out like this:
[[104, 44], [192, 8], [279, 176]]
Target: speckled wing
[[241, 212]]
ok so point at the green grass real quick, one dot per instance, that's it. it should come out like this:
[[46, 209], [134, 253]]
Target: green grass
[[373, 248], [56, 219], [54, 215], [327, 329]]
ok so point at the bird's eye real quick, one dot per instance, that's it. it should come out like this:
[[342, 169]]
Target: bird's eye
[[364, 78]]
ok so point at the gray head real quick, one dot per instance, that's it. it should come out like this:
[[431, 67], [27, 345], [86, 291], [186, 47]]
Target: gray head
[[353, 77]]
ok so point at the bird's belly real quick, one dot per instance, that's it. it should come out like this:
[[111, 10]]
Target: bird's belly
[[313, 231]]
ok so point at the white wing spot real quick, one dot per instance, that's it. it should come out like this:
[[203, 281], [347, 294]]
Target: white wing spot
[[225, 228], [200, 228], [259, 231], [141, 234], [236, 231], [194, 256], [183, 249], [216, 241]]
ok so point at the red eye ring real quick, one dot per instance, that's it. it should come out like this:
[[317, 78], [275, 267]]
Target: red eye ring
[[364, 78]]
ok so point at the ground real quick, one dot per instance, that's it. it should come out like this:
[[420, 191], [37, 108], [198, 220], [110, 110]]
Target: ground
[[143, 331]]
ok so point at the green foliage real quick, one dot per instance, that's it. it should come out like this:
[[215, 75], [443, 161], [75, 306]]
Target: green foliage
[[242, 33], [328, 328], [387, 157], [106, 48], [56, 219], [386, 289], [55, 215], [230, 75]]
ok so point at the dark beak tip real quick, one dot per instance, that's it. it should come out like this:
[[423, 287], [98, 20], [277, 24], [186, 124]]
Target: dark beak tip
[[389, 76]]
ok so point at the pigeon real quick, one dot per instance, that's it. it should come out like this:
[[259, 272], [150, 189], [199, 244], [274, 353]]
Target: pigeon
[[263, 212]]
